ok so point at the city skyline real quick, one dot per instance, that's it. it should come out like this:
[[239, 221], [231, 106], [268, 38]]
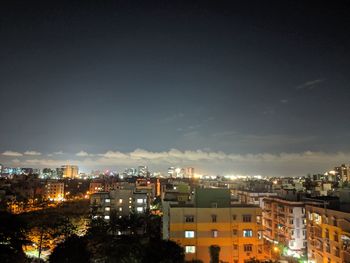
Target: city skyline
[[228, 88]]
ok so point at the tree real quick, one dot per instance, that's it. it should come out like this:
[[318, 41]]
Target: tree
[[12, 238], [73, 249], [214, 252], [160, 251]]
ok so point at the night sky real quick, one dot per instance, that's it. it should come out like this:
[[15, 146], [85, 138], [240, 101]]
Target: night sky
[[226, 87]]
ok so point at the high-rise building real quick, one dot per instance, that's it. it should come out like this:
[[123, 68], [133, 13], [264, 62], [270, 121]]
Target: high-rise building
[[70, 171], [142, 171], [343, 172], [189, 172], [212, 221]]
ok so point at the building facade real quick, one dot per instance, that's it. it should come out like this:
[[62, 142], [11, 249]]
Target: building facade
[[328, 235], [285, 225], [211, 221]]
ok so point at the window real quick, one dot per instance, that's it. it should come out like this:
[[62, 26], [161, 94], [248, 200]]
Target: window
[[235, 247], [291, 210], [190, 249], [214, 233], [189, 219], [107, 200], [260, 234], [214, 205], [247, 218], [234, 232], [328, 249], [337, 252], [106, 217], [336, 237], [248, 247], [247, 233], [234, 217], [291, 221], [139, 201], [107, 208], [213, 218], [120, 209], [120, 201], [189, 234], [139, 209]]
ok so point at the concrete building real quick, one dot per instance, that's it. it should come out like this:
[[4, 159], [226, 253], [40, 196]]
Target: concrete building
[[122, 201], [285, 224], [211, 220], [343, 172], [254, 198], [328, 234], [54, 191]]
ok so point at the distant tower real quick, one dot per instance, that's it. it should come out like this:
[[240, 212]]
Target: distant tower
[[70, 171]]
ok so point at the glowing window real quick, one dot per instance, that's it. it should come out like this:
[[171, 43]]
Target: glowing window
[[190, 249], [189, 234]]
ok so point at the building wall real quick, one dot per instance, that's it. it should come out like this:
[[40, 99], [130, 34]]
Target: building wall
[[285, 223], [328, 235], [54, 191], [226, 232]]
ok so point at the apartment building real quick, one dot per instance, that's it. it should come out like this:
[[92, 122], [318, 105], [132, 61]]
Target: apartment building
[[285, 224], [328, 234], [212, 220], [253, 197], [54, 191], [123, 201]]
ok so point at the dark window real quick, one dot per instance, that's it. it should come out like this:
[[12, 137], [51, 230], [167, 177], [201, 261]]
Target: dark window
[[248, 247], [213, 218], [247, 218]]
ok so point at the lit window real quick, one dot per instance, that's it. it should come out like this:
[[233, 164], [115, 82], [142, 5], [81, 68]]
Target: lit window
[[129, 206], [190, 249], [120, 209], [189, 234], [106, 217], [214, 233], [107, 200], [247, 233], [107, 208], [140, 201], [120, 201], [139, 209]]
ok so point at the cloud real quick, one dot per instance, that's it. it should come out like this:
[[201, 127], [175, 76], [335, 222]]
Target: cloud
[[83, 154], [284, 101], [173, 117], [204, 161], [58, 153], [12, 153], [33, 153], [310, 84]]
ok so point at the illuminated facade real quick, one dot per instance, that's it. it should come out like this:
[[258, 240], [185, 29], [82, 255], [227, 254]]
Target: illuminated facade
[[285, 224], [328, 235], [70, 171], [211, 220], [54, 191]]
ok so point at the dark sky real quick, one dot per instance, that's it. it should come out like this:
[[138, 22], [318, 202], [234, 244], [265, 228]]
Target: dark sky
[[241, 78]]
